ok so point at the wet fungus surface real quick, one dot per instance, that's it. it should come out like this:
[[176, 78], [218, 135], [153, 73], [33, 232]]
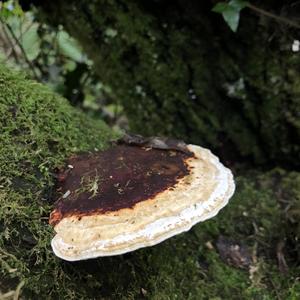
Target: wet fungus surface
[[117, 178]]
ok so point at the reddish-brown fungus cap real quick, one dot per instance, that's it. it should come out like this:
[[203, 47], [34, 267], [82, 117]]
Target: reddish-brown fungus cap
[[118, 178], [128, 197]]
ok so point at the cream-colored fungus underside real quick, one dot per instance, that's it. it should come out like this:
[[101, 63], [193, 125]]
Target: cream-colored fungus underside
[[195, 198]]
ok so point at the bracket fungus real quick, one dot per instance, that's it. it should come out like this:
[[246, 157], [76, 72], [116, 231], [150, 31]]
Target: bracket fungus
[[135, 194]]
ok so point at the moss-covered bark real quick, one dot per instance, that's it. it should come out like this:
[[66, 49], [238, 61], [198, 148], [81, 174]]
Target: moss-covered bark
[[38, 130], [178, 70]]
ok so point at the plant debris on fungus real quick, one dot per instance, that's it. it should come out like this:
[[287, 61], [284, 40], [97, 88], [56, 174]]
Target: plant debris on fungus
[[132, 196]]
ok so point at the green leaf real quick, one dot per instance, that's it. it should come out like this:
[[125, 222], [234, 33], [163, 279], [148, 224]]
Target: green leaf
[[220, 7], [238, 4], [230, 12], [232, 18], [69, 47], [31, 42]]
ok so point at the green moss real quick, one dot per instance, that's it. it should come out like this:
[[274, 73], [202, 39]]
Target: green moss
[[38, 130]]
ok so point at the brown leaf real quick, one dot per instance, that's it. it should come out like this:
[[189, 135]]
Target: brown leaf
[[234, 253], [283, 267], [153, 142]]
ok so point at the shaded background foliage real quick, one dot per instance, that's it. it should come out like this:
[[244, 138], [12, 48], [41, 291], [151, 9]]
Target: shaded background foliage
[[235, 91], [50, 55], [159, 68]]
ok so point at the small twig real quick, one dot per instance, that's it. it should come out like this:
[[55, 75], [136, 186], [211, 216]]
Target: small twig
[[22, 50], [7, 295], [271, 15], [13, 51], [18, 290], [283, 267], [20, 29]]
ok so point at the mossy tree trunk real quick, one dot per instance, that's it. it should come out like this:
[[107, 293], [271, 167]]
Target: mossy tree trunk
[[178, 70], [38, 131]]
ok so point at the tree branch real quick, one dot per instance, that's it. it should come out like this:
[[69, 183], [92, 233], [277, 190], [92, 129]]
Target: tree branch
[[270, 15]]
